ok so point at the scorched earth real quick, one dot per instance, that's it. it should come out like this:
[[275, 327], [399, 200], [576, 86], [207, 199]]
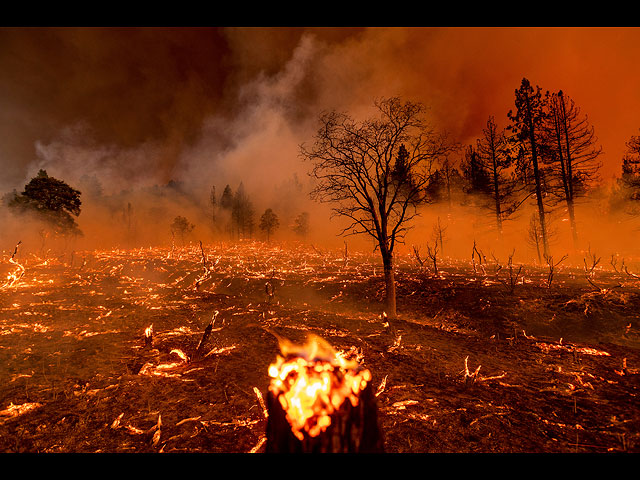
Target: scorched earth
[[480, 359]]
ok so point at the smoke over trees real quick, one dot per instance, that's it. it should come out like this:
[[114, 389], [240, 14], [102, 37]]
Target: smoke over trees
[[181, 227], [493, 149], [625, 195], [301, 224], [242, 214], [269, 222]]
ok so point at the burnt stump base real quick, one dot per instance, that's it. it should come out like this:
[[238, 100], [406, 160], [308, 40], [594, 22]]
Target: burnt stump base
[[352, 430]]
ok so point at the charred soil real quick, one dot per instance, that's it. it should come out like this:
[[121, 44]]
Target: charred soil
[[474, 363]]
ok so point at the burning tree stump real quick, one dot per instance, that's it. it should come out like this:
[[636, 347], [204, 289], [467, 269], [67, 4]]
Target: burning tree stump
[[319, 403], [148, 337]]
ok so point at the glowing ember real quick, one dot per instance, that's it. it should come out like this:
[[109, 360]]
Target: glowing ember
[[14, 276], [17, 410], [148, 336], [312, 382]]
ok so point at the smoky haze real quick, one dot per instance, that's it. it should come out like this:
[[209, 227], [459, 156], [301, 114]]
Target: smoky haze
[[120, 113]]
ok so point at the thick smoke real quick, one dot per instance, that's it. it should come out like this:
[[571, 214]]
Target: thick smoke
[[146, 121]]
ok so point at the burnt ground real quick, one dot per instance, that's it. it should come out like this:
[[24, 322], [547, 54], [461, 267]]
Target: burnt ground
[[471, 365]]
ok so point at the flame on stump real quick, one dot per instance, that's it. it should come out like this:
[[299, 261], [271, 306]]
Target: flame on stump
[[319, 401], [148, 336]]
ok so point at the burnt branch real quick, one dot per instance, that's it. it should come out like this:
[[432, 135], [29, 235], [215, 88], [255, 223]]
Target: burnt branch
[[552, 266], [593, 263], [416, 254], [498, 265], [614, 263], [512, 280], [481, 258], [626, 270], [15, 250], [206, 334], [432, 253], [589, 269]]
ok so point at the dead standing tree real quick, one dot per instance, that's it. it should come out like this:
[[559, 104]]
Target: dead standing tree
[[432, 253], [375, 173], [526, 126], [573, 153]]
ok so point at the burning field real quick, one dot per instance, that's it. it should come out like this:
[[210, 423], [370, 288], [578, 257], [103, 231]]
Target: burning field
[[237, 348]]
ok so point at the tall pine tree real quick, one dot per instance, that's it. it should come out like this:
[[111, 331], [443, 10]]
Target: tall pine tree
[[527, 123], [493, 149], [572, 155]]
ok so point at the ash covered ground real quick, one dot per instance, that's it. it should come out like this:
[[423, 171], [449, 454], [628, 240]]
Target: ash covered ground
[[478, 361]]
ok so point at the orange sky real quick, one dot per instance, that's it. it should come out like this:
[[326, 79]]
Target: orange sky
[[467, 74], [160, 100]]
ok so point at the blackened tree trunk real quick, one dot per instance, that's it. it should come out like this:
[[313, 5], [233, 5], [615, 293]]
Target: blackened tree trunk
[[536, 174], [389, 283], [572, 142], [352, 430], [528, 118], [496, 194]]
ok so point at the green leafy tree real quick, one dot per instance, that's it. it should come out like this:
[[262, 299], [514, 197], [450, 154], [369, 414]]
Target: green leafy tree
[[52, 201], [269, 222]]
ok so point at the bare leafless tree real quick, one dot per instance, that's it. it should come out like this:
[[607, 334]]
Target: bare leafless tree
[[511, 282], [481, 258], [573, 153], [374, 172], [432, 253], [534, 237], [438, 235], [552, 267], [416, 254]]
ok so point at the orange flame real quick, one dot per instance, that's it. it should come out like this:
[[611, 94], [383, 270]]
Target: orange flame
[[15, 276], [312, 382]]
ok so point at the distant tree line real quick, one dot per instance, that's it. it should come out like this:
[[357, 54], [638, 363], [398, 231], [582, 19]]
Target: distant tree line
[[234, 213], [547, 156]]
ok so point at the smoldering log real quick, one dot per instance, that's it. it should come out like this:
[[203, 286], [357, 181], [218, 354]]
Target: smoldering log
[[15, 250], [352, 429]]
